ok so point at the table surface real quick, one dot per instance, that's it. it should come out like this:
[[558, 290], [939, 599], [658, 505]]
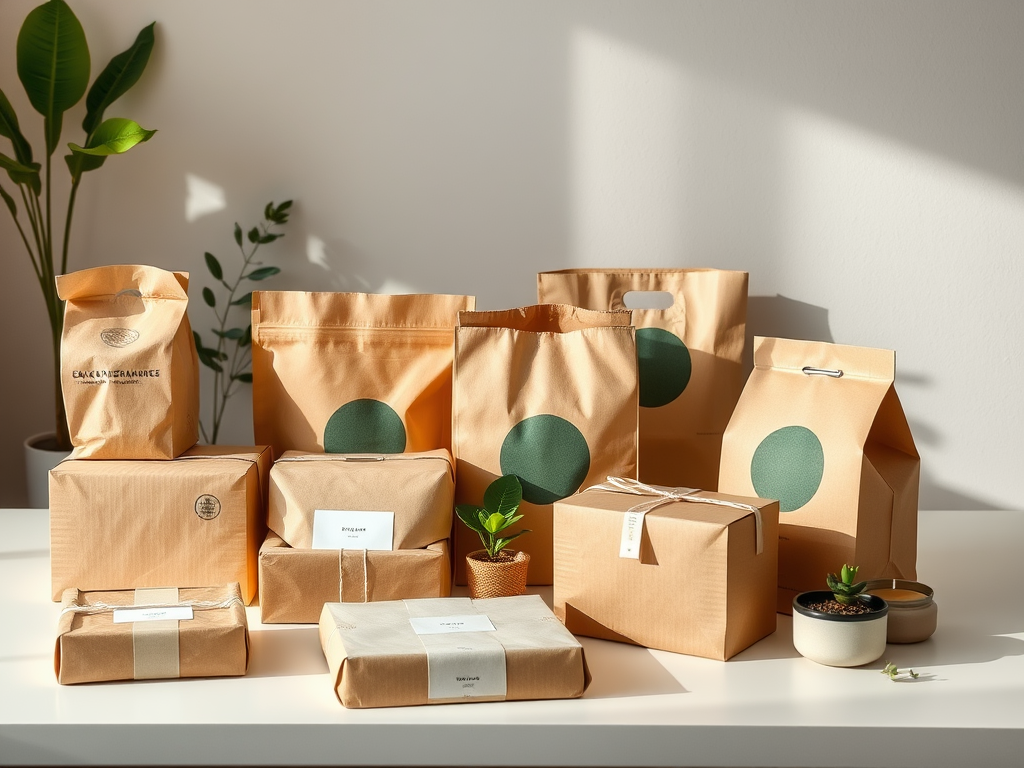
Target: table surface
[[766, 706]]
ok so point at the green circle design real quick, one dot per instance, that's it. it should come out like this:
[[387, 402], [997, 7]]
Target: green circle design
[[549, 455], [788, 466], [364, 426], [665, 366]]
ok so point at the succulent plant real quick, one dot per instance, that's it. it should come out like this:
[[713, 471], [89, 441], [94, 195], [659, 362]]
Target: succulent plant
[[843, 587]]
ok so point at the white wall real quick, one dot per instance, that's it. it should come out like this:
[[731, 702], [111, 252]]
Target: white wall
[[863, 161]]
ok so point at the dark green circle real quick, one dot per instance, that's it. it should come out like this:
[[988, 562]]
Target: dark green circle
[[364, 426], [664, 366], [788, 466], [549, 455]]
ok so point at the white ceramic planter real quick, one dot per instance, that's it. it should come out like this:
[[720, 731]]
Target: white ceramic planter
[[38, 463], [839, 641]]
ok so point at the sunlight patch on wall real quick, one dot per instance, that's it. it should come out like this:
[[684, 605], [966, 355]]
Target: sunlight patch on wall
[[316, 252], [393, 286], [203, 198]]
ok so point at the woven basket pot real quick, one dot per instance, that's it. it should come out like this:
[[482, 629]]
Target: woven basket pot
[[505, 577]]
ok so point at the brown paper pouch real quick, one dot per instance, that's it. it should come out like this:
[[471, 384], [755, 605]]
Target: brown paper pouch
[[819, 427], [690, 359], [129, 369], [353, 372], [548, 393]]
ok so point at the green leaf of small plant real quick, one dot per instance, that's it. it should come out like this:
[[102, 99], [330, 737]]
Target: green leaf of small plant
[[209, 298], [238, 235], [214, 266], [895, 675], [470, 516], [114, 136], [246, 340], [234, 334], [504, 495], [495, 523], [245, 301], [244, 377], [263, 273], [254, 235]]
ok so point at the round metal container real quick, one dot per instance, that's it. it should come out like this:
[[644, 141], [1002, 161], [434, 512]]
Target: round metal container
[[913, 613]]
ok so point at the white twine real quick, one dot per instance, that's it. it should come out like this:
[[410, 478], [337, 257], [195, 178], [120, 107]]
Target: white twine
[[196, 605], [341, 578]]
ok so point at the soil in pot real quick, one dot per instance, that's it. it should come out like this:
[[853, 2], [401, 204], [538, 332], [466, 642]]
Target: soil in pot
[[505, 576]]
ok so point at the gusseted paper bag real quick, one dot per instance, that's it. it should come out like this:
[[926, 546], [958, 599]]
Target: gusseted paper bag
[[147, 634], [548, 393], [677, 569], [129, 369], [364, 501], [296, 583], [450, 650], [690, 359], [353, 372], [198, 519], [819, 427]]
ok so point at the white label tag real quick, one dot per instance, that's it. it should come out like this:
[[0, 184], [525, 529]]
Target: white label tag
[[632, 532], [440, 625], [464, 666], [353, 529], [170, 613]]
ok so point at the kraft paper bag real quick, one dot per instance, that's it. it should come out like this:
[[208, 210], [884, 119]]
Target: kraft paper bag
[[129, 368], [677, 569], [690, 359], [450, 650], [820, 428], [548, 393], [147, 634], [353, 372]]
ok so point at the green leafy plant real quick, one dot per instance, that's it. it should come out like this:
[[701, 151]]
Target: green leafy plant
[[53, 65], [501, 503], [235, 368], [843, 587], [894, 674]]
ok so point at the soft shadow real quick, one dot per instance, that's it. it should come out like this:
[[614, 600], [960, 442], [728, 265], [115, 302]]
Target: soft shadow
[[626, 671], [952, 647], [24, 554], [282, 652], [778, 645], [934, 495], [783, 318]]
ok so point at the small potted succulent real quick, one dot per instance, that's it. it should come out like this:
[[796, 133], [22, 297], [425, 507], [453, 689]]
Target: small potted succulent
[[841, 626], [495, 571]]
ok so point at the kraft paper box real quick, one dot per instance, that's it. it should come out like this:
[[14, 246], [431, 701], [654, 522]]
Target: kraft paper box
[[450, 650], [147, 634], [195, 520], [676, 575], [375, 501], [296, 583]]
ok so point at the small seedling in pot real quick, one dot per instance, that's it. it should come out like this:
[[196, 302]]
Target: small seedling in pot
[[501, 502], [843, 587]]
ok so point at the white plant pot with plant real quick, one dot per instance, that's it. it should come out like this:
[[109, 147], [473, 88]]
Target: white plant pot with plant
[[495, 571], [840, 626]]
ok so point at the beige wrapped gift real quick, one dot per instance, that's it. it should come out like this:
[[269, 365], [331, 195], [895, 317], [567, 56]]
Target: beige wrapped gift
[[450, 650], [309, 491], [295, 583], [146, 634], [674, 569], [198, 519]]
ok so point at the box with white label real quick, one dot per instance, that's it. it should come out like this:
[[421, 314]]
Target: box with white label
[[450, 650], [375, 502], [148, 634], [675, 569], [295, 583]]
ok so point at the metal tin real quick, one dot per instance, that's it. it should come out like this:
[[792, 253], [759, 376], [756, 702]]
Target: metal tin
[[910, 620]]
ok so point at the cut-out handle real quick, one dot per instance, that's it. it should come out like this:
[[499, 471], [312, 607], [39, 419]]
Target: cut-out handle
[[648, 299], [834, 373]]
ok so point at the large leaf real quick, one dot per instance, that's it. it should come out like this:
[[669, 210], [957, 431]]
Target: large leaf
[[504, 495], [468, 515], [114, 137], [10, 164], [9, 127], [53, 64], [79, 164], [123, 71], [11, 205]]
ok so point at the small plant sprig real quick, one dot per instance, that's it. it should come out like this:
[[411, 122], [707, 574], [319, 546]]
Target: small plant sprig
[[843, 587], [895, 675], [501, 502], [236, 367]]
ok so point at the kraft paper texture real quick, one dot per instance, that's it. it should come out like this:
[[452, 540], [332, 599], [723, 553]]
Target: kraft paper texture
[[690, 360], [129, 368], [198, 519], [353, 372], [838, 454], [548, 393]]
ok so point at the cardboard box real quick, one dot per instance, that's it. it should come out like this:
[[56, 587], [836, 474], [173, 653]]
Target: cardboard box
[[295, 583], [147, 634], [195, 520], [461, 650], [418, 490], [692, 580]]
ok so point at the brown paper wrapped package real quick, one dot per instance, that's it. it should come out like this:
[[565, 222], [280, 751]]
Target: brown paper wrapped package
[[129, 368], [353, 372], [92, 648], [548, 393], [198, 519], [819, 426], [690, 360], [377, 660], [417, 487], [699, 586], [295, 583]]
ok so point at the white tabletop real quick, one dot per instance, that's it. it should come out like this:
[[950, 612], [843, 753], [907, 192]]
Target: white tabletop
[[767, 706]]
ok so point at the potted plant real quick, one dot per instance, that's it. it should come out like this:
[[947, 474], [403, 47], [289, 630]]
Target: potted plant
[[840, 626], [495, 571], [53, 65]]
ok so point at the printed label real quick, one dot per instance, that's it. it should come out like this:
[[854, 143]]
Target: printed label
[[170, 613], [119, 337], [207, 506], [353, 529], [632, 532], [464, 666], [439, 625]]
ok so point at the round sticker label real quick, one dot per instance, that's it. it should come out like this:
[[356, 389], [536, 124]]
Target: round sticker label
[[207, 506]]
